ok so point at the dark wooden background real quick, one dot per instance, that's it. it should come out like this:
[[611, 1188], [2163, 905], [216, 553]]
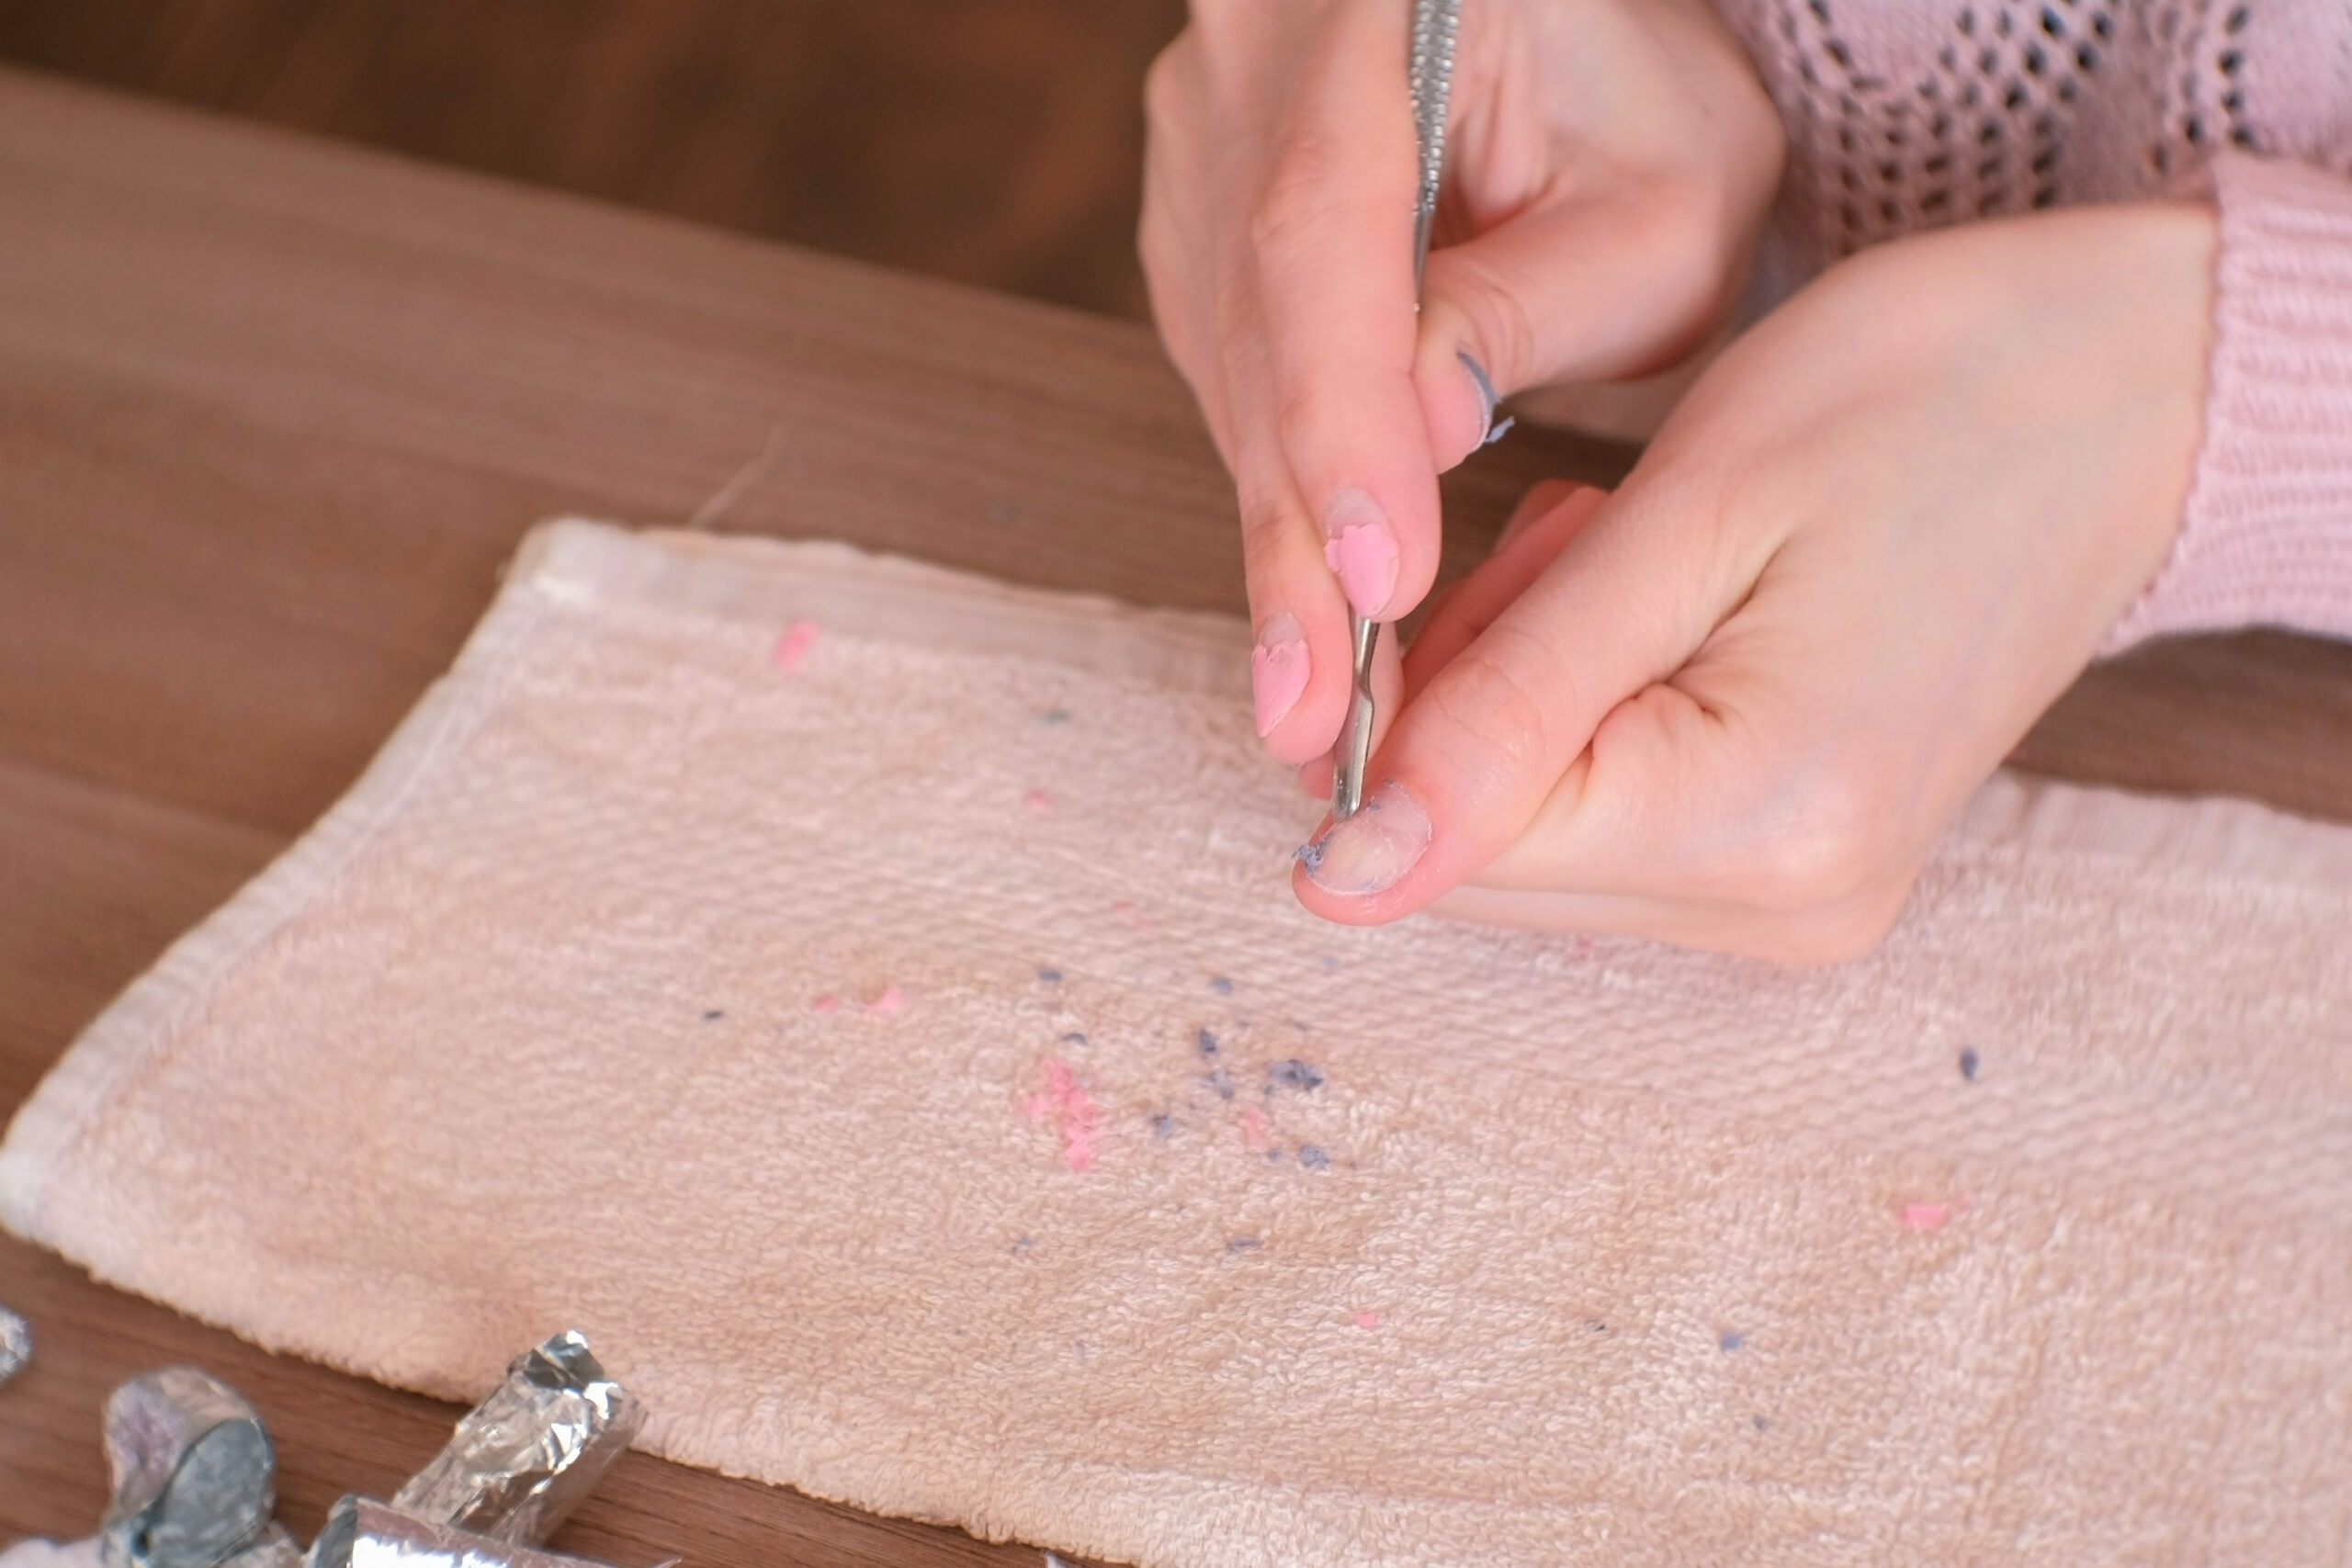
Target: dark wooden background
[[992, 141]]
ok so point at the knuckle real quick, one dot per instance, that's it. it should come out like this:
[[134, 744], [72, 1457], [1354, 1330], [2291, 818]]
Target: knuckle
[[1163, 83], [1835, 846], [1296, 195], [1488, 718], [1698, 274], [1266, 517], [1303, 406], [1501, 322]]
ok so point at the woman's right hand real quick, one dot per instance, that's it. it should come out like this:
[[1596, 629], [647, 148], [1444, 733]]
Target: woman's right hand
[[1607, 164]]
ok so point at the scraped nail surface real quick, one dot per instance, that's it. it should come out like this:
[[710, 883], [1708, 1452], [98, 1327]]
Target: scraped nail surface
[[1373, 849], [1278, 670], [1360, 549]]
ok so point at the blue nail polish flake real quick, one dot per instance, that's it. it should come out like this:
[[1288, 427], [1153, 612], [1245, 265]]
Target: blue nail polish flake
[[1486, 401], [1293, 1074]]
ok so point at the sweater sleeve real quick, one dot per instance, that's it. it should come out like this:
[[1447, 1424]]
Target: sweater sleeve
[[2266, 537]]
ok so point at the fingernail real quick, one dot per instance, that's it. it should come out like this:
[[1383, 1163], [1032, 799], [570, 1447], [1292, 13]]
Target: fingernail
[[1360, 549], [1373, 849], [1487, 399], [1278, 668]]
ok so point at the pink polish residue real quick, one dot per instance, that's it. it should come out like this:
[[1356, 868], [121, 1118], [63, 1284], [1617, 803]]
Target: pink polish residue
[[825, 1002], [890, 1004], [792, 649], [1253, 1127], [1037, 802], [1365, 560], [1278, 673], [1367, 1320], [1924, 1217], [1064, 1102]]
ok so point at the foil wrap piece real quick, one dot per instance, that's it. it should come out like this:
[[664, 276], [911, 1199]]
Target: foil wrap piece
[[15, 1343], [363, 1533], [195, 1478], [525, 1455], [35, 1553], [274, 1548]]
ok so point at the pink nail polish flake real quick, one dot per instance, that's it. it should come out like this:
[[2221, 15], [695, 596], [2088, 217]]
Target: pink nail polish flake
[[1037, 802], [1278, 674], [826, 1002], [1253, 1127], [890, 1004], [1367, 1320], [1921, 1218], [1365, 560], [792, 649], [1064, 1102]]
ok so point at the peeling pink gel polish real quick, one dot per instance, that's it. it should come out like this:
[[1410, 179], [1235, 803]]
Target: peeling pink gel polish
[[1373, 849], [1360, 549], [1278, 670]]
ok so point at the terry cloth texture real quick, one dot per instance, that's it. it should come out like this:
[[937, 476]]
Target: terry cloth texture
[[868, 1002]]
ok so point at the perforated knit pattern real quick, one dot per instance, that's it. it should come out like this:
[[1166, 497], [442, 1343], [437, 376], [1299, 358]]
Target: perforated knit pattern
[[1905, 115]]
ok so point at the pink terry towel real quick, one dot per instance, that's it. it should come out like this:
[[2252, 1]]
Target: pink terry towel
[[868, 1001]]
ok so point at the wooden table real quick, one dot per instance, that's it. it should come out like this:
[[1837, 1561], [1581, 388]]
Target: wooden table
[[272, 413]]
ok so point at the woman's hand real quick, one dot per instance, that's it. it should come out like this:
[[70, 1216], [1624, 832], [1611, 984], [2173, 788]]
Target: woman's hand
[[1607, 164], [1734, 705]]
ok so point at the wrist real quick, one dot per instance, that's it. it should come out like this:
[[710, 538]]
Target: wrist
[[2262, 538]]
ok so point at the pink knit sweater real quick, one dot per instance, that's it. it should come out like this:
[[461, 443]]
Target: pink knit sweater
[[1904, 115]]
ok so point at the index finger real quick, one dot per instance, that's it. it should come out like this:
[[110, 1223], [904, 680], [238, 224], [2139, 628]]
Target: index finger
[[1331, 244]]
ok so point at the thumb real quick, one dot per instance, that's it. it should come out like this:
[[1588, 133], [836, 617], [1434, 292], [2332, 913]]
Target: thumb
[[1476, 754], [1596, 287], [1709, 810]]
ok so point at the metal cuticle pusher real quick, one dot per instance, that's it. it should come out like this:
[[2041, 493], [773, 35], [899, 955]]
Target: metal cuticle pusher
[[1429, 74]]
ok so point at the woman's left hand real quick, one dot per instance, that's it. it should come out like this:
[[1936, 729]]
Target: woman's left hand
[[1733, 705]]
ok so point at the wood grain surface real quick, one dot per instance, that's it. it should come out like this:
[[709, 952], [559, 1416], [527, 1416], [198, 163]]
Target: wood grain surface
[[993, 142], [272, 413]]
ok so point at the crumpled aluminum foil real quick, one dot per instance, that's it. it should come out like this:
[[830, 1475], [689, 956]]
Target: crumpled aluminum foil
[[274, 1548], [363, 1533], [525, 1457], [15, 1343], [34, 1552], [195, 1478]]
